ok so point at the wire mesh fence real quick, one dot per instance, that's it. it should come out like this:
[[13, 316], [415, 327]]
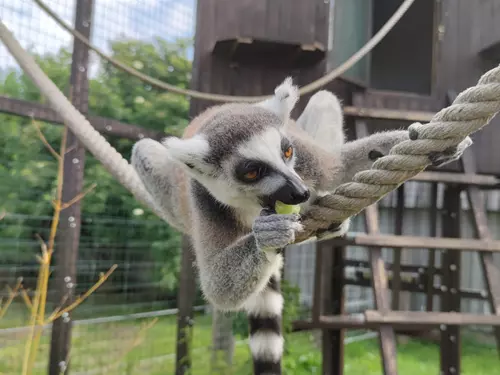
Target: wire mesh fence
[[156, 38], [128, 325]]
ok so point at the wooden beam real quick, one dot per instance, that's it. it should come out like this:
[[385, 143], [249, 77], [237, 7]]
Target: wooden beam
[[355, 321], [419, 242], [450, 281], [410, 286], [397, 252], [387, 337], [491, 272], [104, 125], [185, 302], [429, 318], [69, 226], [457, 178], [431, 260], [388, 114]]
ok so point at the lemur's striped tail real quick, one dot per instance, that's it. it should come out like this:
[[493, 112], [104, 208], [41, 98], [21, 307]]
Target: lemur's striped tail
[[266, 339]]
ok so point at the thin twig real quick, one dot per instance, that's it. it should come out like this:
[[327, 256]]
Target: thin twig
[[44, 140], [82, 298], [57, 309], [78, 197], [26, 299], [12, 295]]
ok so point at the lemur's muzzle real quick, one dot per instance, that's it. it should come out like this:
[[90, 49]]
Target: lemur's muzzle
[[293, 192]]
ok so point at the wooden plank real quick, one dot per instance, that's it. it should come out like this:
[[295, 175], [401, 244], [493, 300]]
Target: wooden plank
[[396, 281], [389, 266], [333, 302], [491, 272], [431, 261], [426, 318], [450, 281], [357, 321], [388, 114], [185, 302], [317, 307], [457, 178], [68, 231], [104, 125], [387, 338], [412, 286], [418, 242]]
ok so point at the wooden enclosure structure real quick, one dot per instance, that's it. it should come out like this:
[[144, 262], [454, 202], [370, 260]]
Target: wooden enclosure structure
[[247, 47]]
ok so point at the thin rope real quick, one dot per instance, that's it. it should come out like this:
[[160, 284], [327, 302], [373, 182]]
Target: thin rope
[[389, 25], [470, 111]]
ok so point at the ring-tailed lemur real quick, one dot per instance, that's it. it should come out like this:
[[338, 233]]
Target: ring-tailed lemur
[[233, 161]]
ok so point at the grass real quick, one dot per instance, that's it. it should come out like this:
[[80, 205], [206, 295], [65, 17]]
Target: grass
[[107, 348]]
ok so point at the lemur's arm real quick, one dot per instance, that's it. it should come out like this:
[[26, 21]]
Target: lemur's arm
[[360, 154], [157, 172], [232, 264]]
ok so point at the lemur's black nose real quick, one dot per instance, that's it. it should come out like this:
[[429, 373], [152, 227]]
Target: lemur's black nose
[[292, 193], [300, 196]]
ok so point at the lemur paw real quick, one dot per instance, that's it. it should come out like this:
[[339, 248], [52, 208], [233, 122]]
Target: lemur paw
[[275, 231], [437, 159], [334, 230], [453, 153]]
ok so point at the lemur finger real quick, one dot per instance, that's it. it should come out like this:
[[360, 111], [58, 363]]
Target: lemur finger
[[319, 213], [277, 217], [276, 226]]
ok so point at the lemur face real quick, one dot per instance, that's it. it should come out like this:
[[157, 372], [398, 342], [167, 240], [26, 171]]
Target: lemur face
[[242, 154]]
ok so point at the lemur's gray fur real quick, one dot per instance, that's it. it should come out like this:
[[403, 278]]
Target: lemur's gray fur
[[198, 181]]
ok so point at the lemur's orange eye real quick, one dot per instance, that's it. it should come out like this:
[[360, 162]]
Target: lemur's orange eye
[[288, 152], [252, 175]]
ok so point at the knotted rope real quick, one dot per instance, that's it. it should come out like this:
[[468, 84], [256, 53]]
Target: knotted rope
[[470, 111]]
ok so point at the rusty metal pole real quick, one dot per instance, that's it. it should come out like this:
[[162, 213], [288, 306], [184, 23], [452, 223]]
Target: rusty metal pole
[[68, 238]]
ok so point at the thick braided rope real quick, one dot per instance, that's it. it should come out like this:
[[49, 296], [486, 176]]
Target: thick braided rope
[[471, 110]]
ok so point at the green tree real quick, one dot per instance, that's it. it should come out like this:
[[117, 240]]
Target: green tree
[[27, 170]]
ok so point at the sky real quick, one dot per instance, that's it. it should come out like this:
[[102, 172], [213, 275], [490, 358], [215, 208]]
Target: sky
[[135, 19]]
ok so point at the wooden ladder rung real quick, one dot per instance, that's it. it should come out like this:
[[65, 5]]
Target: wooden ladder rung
[[388, 114], [457, 178], [419, 242], [429, 318], [354, 321]]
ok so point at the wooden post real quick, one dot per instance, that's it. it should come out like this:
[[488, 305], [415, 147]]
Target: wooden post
[[185, 302], [396, 262], [387, 338], [66, 249], [450, 283], [332, 304], [431, 262]]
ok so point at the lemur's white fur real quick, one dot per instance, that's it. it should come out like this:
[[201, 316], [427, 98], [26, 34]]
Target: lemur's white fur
[[198, 180]]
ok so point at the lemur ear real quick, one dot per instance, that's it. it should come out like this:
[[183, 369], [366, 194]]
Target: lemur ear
[[323, 120], [190, 153], [285, 97]]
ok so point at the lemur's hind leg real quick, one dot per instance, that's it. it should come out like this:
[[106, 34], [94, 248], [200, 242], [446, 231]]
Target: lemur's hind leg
[[323, 120]]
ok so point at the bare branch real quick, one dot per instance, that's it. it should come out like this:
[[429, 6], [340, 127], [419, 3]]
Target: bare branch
[[44, 140]]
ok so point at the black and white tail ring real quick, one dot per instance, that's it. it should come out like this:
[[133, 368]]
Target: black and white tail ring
[[266, 339]]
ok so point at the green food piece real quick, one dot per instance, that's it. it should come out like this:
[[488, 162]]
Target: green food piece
[[286, 209]]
